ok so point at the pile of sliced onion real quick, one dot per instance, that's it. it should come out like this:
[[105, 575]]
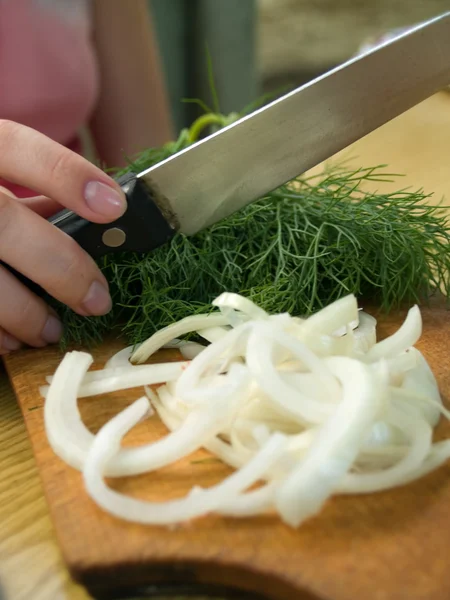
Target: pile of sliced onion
[[305, 408]]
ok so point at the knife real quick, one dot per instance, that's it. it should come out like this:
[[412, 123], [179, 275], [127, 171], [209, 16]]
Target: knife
[[241, 163]]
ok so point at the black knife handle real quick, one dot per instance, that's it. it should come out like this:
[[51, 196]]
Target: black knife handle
[[142, 228]]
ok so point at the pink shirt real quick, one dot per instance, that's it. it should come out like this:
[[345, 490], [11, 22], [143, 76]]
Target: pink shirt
[[48, 70]]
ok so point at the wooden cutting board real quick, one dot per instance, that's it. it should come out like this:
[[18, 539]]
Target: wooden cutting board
[[386, 546]]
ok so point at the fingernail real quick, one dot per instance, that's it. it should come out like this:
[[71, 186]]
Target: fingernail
[[10, 343], [104, 200], [52, 330], [97, 301]]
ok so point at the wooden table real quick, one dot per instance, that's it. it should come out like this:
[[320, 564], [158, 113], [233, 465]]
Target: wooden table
[[416, 144]]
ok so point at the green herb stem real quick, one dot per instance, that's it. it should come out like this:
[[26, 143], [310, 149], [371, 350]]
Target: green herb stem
[[202, 123]]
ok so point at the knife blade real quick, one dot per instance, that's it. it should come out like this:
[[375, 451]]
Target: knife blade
[[219, 175]]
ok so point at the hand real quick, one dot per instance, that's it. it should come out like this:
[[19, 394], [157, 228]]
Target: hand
[[37, 249]]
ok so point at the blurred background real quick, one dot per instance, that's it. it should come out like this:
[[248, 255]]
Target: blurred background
[[259, 46]]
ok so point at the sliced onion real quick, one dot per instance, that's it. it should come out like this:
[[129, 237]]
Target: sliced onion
[[404, 338], [188, 350], [121, 358], [439, 454], [420, 382], [120, 378], [176, 330], [230, 303], [336, 446], [213, 334], [107, 445], [66, 433], [331, 318], [252, 503], [420, 434], [298, 405], [188, 385], [313, 407], [133, 377], [365, 335]]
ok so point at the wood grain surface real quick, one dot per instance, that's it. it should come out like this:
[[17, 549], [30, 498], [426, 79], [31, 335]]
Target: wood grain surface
[[27, 541], [389, 545], [415, 144]]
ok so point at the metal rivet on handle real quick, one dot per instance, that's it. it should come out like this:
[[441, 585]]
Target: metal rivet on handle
[[114, 237]]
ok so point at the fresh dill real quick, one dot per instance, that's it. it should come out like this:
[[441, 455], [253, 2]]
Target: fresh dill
[[297, 249]]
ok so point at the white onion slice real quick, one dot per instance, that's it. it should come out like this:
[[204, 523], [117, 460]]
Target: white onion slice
[[290, 399], [66, 433], [121, 358], [365, 335], [439, 454], [229, 303], [188, 385], [187, 349], [336, 446], [107, 445], [125, 377], [212, 334], [176, 330], [401, 340], [133, 377], [216, 446], [331, 318], [252, 503], [200, 426], [420, 381], [420, 434]]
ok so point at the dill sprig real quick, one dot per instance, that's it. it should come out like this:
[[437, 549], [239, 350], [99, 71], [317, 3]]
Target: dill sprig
[[297, 249]]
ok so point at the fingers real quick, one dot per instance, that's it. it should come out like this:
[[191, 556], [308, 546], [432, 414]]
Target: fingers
[[24, 317], [41, 252], [46, 255], [31, 159], [4, 190], [41, 205], [8, 343]]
